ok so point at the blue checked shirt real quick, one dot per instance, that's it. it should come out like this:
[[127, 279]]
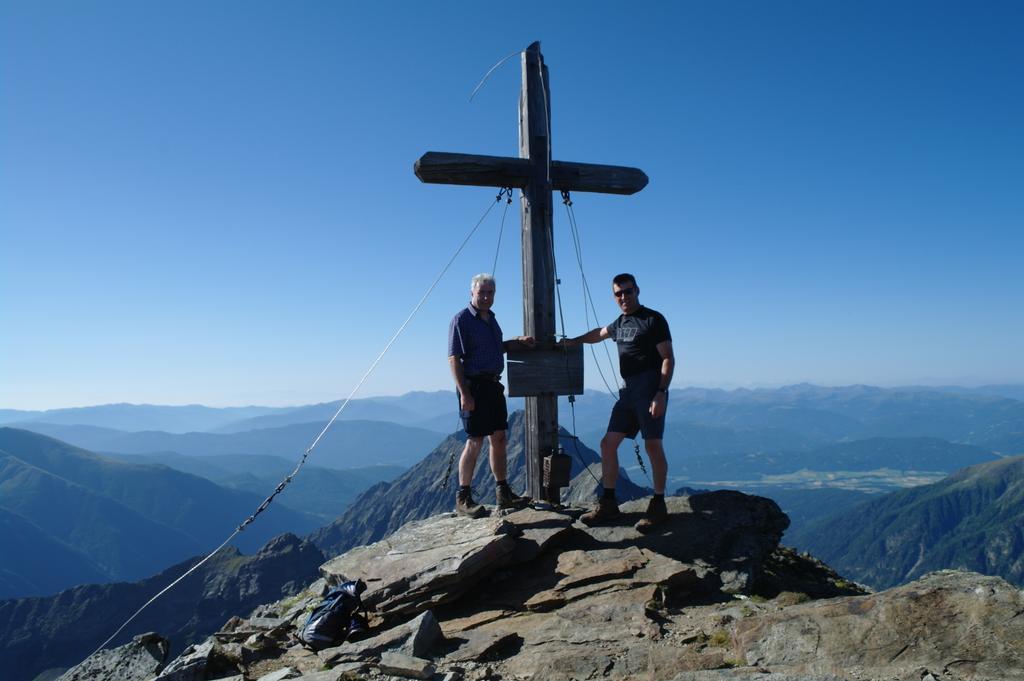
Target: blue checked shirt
[[476, 342]]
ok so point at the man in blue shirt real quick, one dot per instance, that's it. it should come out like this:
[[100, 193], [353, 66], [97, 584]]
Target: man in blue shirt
[[476, 356], [646, 363]]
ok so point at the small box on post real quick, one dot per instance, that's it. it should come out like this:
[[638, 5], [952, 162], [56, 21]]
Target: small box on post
[[557, 470], [549, 371]]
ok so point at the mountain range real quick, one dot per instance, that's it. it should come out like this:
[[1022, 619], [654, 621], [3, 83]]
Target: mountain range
[[130, 417], [409, 409], [74, 516], [816, 450], [973, 519], [58, 631], [318, 491], [65, 509], [968, 415], [348, 444]]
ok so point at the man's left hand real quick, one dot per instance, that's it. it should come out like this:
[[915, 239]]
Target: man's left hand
[[657, 407], [528, 341]]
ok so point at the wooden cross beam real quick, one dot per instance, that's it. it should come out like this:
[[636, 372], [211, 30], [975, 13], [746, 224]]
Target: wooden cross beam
[[537, 176]]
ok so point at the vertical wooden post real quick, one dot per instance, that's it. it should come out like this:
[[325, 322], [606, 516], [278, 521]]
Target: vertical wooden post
[[538, 258]]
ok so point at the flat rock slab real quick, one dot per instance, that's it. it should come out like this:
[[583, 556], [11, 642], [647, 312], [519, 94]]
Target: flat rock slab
[[193, 662], [415, 638], [569, 643], [281, 674], [587, 573], [139, 660], [436, 560], [540, 530], [406, 665], [735, 532], [969, 625], [753, 675], [425, 563], [474, 646]]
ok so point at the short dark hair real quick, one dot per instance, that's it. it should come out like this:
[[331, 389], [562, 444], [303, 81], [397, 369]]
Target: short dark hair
[[624, 278]]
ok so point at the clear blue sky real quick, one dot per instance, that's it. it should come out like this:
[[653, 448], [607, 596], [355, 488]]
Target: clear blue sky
[[213, 202]]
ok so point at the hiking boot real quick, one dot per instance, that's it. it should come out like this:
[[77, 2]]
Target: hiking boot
[[656, 514], [605, 511], [464, 505], [509, 499]]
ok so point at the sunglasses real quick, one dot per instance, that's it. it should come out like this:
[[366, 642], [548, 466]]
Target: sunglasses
[[624, 292]]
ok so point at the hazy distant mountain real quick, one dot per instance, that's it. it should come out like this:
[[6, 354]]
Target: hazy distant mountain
[[973, 519], [855, 412], [410, 409], [322, 492], [706, 453], [347, 444], [1011, 391], [897, 453], [713, 452], [718, 434], [420, 492], [133, 417], [122, 520]]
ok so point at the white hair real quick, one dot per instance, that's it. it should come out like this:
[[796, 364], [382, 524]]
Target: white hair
[[482, 278]]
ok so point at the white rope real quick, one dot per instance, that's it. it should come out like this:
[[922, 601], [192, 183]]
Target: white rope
[[489, 72], [587, 297], [288, 479]]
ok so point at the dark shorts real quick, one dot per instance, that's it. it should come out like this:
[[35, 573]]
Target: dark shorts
[[491, 411], [631, 414]]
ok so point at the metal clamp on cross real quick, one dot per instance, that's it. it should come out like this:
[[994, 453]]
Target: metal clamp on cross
[[536, 175]]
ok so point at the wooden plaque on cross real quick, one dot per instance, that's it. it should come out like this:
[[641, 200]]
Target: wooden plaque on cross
[[536, 175]]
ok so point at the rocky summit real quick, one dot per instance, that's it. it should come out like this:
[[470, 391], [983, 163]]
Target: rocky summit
[[535, 594]]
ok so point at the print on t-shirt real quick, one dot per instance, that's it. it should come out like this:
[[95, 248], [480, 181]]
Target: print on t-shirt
[[626, 334]]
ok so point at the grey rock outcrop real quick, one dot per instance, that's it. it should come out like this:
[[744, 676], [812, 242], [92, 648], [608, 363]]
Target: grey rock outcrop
[[950, 624], [425, 563], [139, 660], [533, 589], [710, 596], [208, 660]]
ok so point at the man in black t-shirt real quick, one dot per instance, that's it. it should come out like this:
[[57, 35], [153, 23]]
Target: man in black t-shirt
[[646, 364]]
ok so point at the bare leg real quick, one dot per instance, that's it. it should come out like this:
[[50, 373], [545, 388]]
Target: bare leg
[[659, 466], [610, 458], [499, 462], [467, 462]]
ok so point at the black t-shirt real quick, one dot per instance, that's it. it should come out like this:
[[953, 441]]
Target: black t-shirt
[[637, 336]]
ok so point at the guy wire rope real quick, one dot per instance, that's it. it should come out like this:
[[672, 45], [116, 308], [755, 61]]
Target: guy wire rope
[[284, 483], [587, 298], [567, 201], [561, 315]]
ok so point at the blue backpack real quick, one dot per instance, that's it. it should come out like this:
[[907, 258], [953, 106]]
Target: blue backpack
[[336, 617]]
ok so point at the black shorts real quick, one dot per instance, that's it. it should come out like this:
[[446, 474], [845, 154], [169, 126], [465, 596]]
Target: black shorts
[[491, 411], [631, 414]]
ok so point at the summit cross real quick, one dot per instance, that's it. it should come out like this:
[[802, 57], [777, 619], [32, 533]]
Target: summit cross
[[536, 175]]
